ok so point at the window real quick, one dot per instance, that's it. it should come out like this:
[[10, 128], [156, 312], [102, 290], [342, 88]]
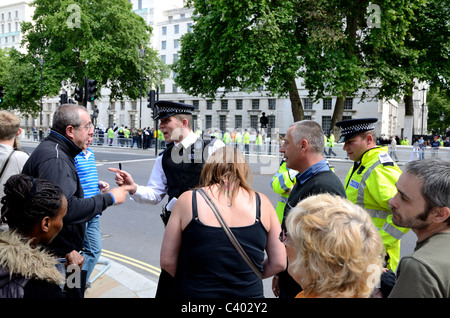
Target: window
[[175, 44], [307, 104], [189, 27], [254, 121], [222, 122], [164, 30], [174, 88], [163, 45], [163, 59], [238, 121], [175, 58], [208, 121], [176, 29], [239, 104], [348, 103], [272, 103], [209, 105], [224, 104], [271, 121], [182, 16], [195, 103], [326, 123], [139, 4], [255, 104], [327, 103]]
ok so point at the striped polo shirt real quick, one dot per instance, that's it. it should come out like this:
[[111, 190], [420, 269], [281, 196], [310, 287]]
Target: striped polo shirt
[[87, 172]]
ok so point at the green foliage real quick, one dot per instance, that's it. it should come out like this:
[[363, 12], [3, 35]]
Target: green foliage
[[331, 44], [438, 101], [100, 39]]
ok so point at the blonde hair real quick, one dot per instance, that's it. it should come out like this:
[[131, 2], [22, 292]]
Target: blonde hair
[[338, 247], [9, 125], [227, 165]]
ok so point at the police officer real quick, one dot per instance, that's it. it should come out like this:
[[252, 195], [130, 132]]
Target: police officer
[[371, 181], [282, 183], [177, 168]]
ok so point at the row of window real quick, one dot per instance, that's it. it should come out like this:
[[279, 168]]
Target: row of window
[[10, 16], [176, 28], [5, 40], [327, 104], [17, 27], [238, 122], [238, 103]]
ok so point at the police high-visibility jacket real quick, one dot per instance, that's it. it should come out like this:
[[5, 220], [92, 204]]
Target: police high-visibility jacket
[[331, 141], [371, 185], [282, 182]]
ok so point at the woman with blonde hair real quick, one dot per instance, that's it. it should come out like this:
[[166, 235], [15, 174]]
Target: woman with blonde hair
[[196, 250], [333, 248]]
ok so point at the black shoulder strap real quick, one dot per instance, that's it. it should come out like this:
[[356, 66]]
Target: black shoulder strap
[[6, 163]]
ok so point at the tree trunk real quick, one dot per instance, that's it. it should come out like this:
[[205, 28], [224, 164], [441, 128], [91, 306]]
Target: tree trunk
[[296, 104], [337, 115]]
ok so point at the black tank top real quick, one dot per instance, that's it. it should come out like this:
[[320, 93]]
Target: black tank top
[[210, 266]]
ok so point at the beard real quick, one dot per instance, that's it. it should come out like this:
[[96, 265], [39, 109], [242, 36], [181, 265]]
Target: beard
[[418, 222]]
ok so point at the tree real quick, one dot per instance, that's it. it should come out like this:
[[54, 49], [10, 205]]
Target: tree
[[20, 78], [100, 39], [338, 47], [241, 44], [438, 101]]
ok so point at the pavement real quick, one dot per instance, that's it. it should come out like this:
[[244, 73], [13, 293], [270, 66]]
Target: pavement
[[119, 281]]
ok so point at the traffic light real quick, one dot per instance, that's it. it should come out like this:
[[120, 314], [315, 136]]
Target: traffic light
[[1, 94], [91, 88], [79, 94], [63, 99], [151, 99]]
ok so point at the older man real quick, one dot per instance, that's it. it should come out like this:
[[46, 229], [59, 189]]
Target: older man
[[423, 204], [302, 150], [53, 160]]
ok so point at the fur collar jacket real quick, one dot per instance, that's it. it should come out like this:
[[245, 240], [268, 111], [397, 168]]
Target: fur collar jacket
[[21, 262]]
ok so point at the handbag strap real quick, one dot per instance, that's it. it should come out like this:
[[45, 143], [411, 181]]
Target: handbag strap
[[5, 164], [230, 234]]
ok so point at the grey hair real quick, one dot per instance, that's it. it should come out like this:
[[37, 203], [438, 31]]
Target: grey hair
[[435, 175], [309, 130], [67, 115]]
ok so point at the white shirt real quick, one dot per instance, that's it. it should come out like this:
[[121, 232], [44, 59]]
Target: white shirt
[[156, 187]]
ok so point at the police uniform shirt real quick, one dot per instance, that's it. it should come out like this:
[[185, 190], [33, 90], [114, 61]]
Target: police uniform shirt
[[156, 188]]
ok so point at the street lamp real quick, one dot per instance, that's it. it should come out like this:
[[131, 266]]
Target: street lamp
[[141, 55], [442, 117], [423, 105], [41, 62]]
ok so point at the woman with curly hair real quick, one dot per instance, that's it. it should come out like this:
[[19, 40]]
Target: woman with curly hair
[[333, 248]]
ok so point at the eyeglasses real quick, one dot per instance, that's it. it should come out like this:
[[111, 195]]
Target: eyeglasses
[[283, 236], [86, 127]]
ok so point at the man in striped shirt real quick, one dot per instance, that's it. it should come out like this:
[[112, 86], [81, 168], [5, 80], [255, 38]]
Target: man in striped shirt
[[87, 172]]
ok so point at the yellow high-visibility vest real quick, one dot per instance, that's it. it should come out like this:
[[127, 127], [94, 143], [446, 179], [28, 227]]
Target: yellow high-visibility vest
[[370, 186]]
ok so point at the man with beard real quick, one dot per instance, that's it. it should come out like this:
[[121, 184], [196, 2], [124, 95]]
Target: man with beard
[[423, 204]]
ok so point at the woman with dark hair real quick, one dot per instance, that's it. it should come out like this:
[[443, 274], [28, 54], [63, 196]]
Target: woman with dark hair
[[197, 251], [33, 209]]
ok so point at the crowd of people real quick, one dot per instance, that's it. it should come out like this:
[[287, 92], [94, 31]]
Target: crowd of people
[[324, 239]]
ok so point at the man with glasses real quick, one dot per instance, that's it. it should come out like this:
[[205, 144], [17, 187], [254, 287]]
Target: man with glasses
[[53, 159]]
